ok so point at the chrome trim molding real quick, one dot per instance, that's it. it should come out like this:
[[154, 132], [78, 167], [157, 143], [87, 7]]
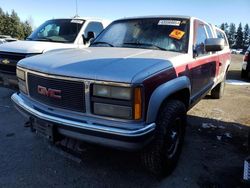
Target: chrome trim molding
[[74, 78], [20, 103]]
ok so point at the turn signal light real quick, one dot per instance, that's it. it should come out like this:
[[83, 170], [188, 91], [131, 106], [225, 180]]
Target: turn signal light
[[137, 104]]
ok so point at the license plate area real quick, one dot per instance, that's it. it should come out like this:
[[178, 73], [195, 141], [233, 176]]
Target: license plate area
[[44, 129]]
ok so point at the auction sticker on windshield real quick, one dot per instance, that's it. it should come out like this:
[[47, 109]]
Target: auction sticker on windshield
[[169, 22], [77, 21], [177, 34]]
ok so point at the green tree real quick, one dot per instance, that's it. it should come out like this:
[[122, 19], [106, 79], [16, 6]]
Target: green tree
[[15, 28], [27, 29], [224, 27], [239, 37], [10, 24], [231, 34], [246, 36], [1, 20]]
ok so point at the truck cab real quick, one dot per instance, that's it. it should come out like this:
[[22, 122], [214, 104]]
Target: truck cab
[[52, 35]]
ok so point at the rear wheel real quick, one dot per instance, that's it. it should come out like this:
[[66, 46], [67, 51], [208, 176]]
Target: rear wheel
[[161, 156], [218, 91], [244, 73]]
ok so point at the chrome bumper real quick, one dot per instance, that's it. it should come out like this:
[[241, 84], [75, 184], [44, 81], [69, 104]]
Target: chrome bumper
[[20, 104]]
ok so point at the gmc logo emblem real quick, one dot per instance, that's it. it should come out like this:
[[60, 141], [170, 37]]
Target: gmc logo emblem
[[53, 93]]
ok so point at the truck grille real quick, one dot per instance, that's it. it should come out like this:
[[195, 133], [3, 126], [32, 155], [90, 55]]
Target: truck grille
[[12, 59], [72, 92]]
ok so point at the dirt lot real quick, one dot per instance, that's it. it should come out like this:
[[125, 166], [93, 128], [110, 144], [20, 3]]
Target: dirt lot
[[213, 154]]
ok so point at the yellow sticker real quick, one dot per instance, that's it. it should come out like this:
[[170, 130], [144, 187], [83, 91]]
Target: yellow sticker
[[177, 34]]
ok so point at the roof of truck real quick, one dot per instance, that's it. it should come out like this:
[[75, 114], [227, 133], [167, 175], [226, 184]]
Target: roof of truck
[[163, 16], [81, 18], [157, 16]]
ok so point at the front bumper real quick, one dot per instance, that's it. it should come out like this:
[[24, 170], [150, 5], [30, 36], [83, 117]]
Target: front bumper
[[8, 80], [94, 133]]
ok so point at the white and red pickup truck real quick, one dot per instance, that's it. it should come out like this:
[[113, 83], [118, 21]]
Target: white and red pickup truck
[[131, 89]]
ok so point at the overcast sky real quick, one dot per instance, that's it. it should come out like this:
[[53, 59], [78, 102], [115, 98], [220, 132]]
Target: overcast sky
[[213, 11]]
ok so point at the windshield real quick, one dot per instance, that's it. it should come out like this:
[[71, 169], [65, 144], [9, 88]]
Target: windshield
[[59, 30], [169, 34]]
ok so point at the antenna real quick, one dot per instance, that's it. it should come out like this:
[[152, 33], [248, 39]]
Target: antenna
[[76, 8]]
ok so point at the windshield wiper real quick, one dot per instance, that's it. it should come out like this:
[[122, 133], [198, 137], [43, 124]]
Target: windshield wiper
[[102, 42], [45, 39], [144, 44]]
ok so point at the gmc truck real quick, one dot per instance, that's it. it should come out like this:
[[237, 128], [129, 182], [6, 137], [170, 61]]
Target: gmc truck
[[131, 89], [52, 35]]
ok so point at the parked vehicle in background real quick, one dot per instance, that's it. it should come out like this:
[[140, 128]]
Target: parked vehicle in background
[[131, 89], [246, 64], [10, 39], [236, 51], [7, 38], [54, 34], [2, 41]]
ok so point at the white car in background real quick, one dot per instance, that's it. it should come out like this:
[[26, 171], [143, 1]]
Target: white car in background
[[6, 38], [236, 51], [53, 35], [2, 41]]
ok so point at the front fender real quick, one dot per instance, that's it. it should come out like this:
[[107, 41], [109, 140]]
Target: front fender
[[162, 92]]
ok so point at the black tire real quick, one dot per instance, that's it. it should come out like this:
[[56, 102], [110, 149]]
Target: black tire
[[161, 156], [218, 91], [244, 73]]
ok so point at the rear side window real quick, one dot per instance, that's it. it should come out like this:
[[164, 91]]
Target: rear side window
[[95, 27], [222, 36], [200, 37], [209, 32]]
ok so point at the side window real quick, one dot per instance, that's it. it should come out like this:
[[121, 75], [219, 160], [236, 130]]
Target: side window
[[95, 27], [200, 37], [222, 36]]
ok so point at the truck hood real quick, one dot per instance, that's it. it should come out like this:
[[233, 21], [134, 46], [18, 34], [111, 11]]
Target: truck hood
[[127, 65], [27, 47]]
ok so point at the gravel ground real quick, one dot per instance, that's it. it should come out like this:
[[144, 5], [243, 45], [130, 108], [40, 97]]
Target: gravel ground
[[213, 154]]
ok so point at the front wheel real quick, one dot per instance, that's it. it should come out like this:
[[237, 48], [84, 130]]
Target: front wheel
[[161, 156]]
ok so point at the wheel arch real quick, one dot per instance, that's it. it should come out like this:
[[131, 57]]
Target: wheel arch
[[179, 88]]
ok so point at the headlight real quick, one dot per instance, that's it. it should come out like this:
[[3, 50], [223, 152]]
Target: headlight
[[114, 92], [20, 74], [116, 101], [113, 110]]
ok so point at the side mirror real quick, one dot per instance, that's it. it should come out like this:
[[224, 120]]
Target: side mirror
[[90, 35], [89, 38], [214, 44]]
